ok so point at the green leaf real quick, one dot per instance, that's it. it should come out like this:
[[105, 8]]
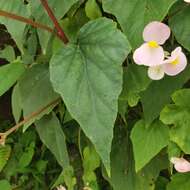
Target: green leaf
[[88, 75], [173, 150], [178, 114], [179, 23], [120, 158], [161, 183], [8, 53], [133, 15], [158, 94], [27, 156], [135, 81], [122, 108], [31, 45], [5, 152], [9, 74], [51, 134], [92, 9], [15, 102], [91, 159], [36, 92], [41, 166], [91, 162], [123, 175], [73, 24], [67, 177], [179, 182], [148, 142], [5, 185], [15, 28]]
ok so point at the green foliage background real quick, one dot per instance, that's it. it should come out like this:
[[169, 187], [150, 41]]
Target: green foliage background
[[98, 122]]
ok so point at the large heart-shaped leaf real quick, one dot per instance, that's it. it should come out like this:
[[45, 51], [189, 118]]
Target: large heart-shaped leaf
[[88, 75], [133, 15]]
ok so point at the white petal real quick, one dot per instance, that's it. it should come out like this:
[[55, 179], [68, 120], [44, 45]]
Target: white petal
[[174, 69], [149, 56], [156, 73], [156, 31]]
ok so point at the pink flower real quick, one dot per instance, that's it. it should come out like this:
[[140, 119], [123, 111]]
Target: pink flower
[[180, 164], [172, 66], [151, 53], [176, 63]]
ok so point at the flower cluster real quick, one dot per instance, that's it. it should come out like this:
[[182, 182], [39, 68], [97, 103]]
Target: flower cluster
[[152, 54]]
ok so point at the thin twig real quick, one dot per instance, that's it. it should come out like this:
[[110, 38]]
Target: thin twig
[[4, 135], [55, 22]]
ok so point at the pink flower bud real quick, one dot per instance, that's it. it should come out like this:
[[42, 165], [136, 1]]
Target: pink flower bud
[[180, 164]]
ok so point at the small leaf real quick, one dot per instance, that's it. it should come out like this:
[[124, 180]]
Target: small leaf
[[148, 142], [27, 156], [51, 134], [5, 152], [92, 9], [91, 162], [135, 81], [41, 166], [67, 177], [36, 92], [16, 105], [8, 53], [9, 74]]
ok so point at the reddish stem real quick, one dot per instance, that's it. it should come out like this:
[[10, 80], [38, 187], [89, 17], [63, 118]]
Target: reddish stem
[[60, 32], [25, 20]]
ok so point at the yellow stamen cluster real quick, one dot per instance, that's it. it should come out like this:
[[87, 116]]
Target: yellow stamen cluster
[[153, 44], [175, 62]]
